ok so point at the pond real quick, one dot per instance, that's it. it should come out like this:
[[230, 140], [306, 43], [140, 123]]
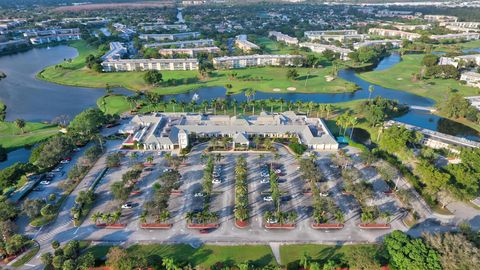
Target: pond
[[36, 100], [20, 155]]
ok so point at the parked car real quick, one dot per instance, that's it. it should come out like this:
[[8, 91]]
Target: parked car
[[64, 161], [45, 183], [127, 206], [267, 198], [199, 194], [216, 181], [167, 170], [265, 181], [323, 194], [272, 220], [286, 198], [58, 169]]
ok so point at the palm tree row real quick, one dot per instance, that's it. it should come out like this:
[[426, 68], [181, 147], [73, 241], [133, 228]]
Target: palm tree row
[[277, 215], [324, 208], [157, 207], [241, 190], [108, 218], [231, 105], [345, 121]]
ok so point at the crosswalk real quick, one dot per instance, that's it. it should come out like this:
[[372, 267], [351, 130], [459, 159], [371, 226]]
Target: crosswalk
[[43, 237]]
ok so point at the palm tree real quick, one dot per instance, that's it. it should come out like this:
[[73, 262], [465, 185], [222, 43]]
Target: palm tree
[[164, 216], [252, 103], [243, 266], [205, 105], [272, 101], [353, 123], [234, 104], [224, 105], [183, 105], [96, 216], [244, 106], [20, 123], [190, 216], [173, 102], [290, 105], [169, 264], [311, 106], [299, 104], [305, 260], [339, 216], [328, 108], [106, 217], [282, 102], [371, 88], [193, 103], [116, 216], [143, 217], [314, 266], [149, 159]]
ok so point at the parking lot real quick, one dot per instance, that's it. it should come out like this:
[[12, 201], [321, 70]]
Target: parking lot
[[222, 201]]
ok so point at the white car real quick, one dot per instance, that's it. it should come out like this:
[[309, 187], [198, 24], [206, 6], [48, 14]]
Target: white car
[[272, 221], [216, 181], [57, 169], [127, 206], [267, 198], [65, 161], [324, 194], [45, 183], [277, 171], [166, 170], [265, 181], [199, 194]]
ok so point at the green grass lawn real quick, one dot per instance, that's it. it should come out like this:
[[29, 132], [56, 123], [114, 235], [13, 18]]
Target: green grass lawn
[[291, 254], [458, 46], [400, 77], [205, 256], [11, 137], [273, 47], [263, 79]]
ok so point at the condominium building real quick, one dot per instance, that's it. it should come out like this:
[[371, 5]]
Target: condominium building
[[320, 48], [471, 78], [462, 24], [243, 44], [440, 18], [462, 29], [117, 51], [159, 26], [54, 38], [230, 62], [51, 32], [447, 61], [460, 36], [339, 35], [183, 44], [283, 38], [162, 37], [412, 27], [468, 59], [192, 52], [174, 131], [393, 33], [395, 43], [12, 44], [149, 64]]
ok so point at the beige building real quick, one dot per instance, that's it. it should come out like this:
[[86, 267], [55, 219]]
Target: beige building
[[149, 64], [283, 38], [471, 78], [231, 62], [171, 131], [243, 44], [440, 18], [320, 48], [460, 36], [396, 43], [412, 27], [393, 33], [192, 52], [339, 35]]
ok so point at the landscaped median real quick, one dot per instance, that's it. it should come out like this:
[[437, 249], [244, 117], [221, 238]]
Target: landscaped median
[[327, 226], [374, 226], [161, 226], [111, 226]]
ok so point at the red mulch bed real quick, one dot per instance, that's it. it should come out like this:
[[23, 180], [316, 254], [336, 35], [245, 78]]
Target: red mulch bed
[[335, 226], [241, 224], [176, 192], [135, 192], [111, 226], [155, 226], [372, 226], [203, 226], [280, 226]]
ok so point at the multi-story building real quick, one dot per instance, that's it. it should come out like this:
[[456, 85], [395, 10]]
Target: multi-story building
[[446, 61], [460, 36], [192, 52], [243, 44], [158, 26], [283, 38], [183, 44], [13, 44], [466, 60], [117, 51], [393, 33], [173, 131], [176, 36], [462, 29], [149, 64], [125, 32], [56, 35], [440, 18], [230, 62], [462, 24], [320, 48], [412, 27], [396, 43], [471, 78], [340, 35]]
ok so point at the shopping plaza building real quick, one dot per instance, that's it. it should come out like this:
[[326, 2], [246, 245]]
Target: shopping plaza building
[[173, 131]]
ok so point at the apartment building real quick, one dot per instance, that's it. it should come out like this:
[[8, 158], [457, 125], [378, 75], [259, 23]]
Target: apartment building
[[12, 44], [460, 36], [173, 131], [471, 78], [396, 43], [462, 24], [243, 44], [117, 51], [283, 38], [192, 52], [320, 48], [446, 61], [339, 35], [162, 37], [468, 59], [149, 64], [440, 18], [183, 44], [231, 62], [54, 35], [412, 27], [160, 26], [393, 33]]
